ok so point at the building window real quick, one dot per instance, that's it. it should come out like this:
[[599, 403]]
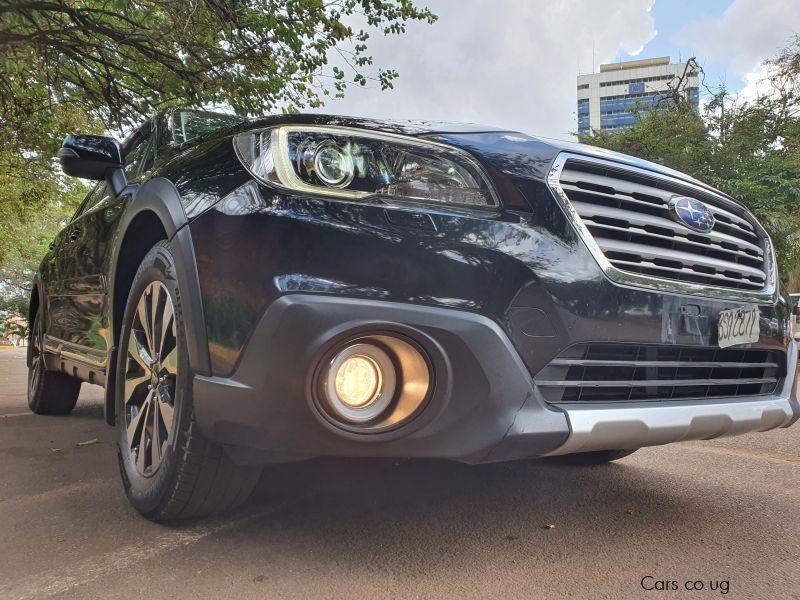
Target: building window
[[583, 116], [637, 80]]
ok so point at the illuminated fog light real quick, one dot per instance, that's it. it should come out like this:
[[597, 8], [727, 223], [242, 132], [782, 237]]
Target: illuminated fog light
[[360, 383]]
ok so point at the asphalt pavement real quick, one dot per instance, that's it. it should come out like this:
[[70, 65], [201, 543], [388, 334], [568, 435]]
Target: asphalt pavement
[[719, 515]]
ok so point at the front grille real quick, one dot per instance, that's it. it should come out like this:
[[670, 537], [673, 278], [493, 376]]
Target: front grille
[[629, 372], [628, 213]]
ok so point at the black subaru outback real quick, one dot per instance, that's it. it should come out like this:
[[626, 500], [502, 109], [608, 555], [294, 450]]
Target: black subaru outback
[[268, 290]]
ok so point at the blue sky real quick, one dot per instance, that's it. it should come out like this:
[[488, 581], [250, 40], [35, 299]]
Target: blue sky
[[671, 16], [514, 63]]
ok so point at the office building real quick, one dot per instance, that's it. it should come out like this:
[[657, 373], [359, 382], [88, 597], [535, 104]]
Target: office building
[[610, 99]]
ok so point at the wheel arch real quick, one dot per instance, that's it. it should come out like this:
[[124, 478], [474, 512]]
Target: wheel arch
[[155, 214]]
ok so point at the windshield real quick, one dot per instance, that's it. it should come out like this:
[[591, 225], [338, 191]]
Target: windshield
[[191, 124]]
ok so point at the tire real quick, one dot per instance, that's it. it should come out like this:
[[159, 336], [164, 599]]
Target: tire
[[589, 459], [49, 392], [169, 470]]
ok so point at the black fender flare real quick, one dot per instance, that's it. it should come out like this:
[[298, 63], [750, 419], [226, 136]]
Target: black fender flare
[[160, 197]]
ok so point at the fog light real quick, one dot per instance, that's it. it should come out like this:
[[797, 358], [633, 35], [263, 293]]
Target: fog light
[[360, 383]]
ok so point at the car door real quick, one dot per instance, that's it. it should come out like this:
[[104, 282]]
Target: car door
[[78, 300], [62, 316]]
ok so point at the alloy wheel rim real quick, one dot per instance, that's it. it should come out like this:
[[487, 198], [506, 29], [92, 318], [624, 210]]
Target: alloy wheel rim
[[151, 369]]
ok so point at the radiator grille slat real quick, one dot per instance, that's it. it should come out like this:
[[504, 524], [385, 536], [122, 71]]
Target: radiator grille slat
[[653, 195], [667, 226], [650, 268], [616, 372], [629, 216], [685, 259], [636, 233]]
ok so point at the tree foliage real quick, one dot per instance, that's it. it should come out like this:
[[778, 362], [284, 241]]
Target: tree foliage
[[124, 58], [35, 198], [749, 149], [94, 65]]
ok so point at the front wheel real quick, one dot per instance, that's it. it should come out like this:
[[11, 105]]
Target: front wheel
[[168, 468], [588, 459]]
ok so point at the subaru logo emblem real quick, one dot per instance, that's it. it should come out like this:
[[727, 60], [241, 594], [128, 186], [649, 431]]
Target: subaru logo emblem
[[692, 213]]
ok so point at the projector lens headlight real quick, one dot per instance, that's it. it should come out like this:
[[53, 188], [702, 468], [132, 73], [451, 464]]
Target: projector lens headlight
[[358, 164], [332, 165]]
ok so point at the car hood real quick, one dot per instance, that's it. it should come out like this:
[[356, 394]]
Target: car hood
[[402, 127]]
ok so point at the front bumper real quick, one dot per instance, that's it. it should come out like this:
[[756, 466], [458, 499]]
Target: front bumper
[[485, 405]]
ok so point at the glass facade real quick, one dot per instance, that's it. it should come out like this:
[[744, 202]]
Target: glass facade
[[621, 111], [617, 112], [583, 116]]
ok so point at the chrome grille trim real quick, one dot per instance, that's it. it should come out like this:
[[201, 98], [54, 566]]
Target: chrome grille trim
[[742, 262]]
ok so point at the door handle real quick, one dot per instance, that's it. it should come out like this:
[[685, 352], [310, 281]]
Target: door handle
[[74, 234]]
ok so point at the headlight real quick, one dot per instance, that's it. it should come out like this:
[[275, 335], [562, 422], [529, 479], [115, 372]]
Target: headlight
[[357, 164]]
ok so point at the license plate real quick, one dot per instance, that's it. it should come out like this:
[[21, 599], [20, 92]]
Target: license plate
[[738, 326]]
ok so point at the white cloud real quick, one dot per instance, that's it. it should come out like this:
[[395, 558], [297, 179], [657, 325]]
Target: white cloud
[[756, 84], [747, 33], [506, 63]]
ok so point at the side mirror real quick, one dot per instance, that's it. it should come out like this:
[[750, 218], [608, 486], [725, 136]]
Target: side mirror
[[90, 156], [94, 157]]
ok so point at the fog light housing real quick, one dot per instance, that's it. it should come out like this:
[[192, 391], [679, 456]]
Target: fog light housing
[[373, 384], [360, 383]]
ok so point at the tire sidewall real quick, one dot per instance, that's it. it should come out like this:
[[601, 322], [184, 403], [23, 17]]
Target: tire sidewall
[[148, 494], [34, 394]]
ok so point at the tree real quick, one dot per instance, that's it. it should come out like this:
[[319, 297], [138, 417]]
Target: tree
[[749, 149], [15, 328], [97, 65], [121, 59], [35, 198]]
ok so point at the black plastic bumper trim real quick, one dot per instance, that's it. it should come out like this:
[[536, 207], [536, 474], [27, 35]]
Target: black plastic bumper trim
[[484, 406]]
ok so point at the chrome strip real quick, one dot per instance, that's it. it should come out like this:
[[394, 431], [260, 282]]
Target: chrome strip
[[587, 362], [634, 425], [768, 295], [638, 383]]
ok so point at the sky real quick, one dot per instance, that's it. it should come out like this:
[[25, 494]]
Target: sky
[[513, 63]]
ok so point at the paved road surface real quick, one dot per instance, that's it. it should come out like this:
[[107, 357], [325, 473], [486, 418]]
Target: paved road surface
[[715, 512]]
